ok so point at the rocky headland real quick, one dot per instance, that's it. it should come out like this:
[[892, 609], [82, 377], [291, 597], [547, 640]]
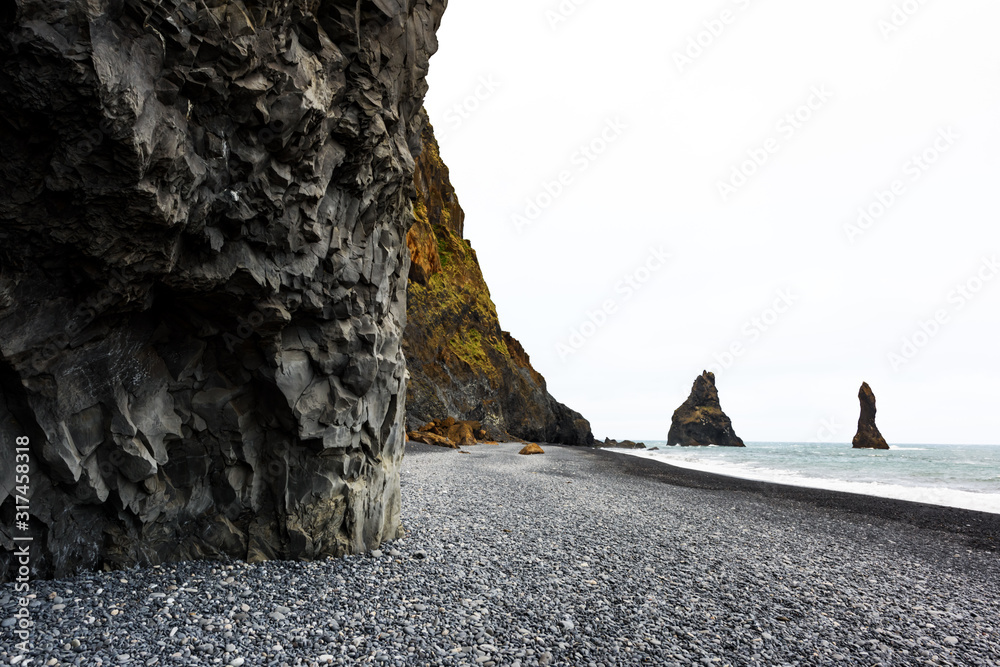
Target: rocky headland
[[700, 421], [868, 435], [203, 218], [462, 364]]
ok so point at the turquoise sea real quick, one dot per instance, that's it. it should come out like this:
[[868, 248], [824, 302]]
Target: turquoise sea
[[966, 476]]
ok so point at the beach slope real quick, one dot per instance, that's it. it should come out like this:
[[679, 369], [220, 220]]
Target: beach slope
[[574, 557]]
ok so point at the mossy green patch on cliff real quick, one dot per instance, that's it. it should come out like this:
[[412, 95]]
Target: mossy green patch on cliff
[[420, 211], [444, 245], [700, 414], [456, 311], [468, 345]]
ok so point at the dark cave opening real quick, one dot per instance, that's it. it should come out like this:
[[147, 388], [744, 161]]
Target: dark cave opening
[[8, 13], [14, 397]]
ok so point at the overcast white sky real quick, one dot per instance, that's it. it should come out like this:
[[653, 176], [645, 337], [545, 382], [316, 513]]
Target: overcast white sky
[[821, 109]]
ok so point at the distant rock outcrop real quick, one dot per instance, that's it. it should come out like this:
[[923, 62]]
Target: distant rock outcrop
[[624, 444], [700, 421], [868, 436], [461, 362]]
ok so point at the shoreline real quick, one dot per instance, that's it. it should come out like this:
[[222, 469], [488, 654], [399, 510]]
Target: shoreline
[[980, 529], [573, 557], [987, 502]]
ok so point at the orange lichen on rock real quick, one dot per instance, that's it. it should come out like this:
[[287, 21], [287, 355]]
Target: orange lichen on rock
[[431, 439], [448, 432]]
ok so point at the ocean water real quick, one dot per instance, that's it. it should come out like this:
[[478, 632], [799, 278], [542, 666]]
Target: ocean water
[[965, 476]]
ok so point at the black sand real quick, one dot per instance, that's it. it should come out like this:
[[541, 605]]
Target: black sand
[[576, 557], [979, 530]]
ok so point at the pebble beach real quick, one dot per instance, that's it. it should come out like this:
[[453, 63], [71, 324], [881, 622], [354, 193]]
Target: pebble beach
[[574, 557]]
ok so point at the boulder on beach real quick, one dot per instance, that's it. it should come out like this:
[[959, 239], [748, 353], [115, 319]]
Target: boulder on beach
[[448, 432], [868, 436], [429, 438], [700, 421], [531, 448]]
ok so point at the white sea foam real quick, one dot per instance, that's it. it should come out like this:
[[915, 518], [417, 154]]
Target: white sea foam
[[983, 502]]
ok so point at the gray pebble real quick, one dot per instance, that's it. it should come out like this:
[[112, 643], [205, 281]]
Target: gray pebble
[[676, 576]]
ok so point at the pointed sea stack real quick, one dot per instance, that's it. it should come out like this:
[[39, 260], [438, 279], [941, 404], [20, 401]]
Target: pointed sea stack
[[700, 421], [868, 436]]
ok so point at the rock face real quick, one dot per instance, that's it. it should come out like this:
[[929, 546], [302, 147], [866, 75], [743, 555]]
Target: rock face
[[700, 421], [868, 436], [462, 364], [203, 211]]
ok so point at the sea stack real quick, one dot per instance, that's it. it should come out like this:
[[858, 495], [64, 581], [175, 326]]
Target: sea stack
[[700, 421], [868, 436]]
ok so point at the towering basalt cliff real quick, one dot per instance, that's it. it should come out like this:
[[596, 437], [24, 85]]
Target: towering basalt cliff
[[203, 207], [461, 363]]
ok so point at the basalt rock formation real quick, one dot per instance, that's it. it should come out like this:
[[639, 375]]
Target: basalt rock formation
[[449, 433], [203, 211], [461, 363], [868, 436], [624, 444], [700, 421]]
